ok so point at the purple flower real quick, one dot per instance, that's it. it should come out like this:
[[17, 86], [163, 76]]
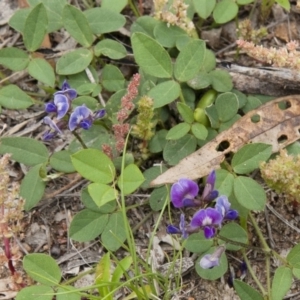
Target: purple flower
[[223, 206], [66, 90], [209, 193], [209, 261], [183, 193], [54, 129], [171, 229], [207, 219], [83, 117], [62, 101]]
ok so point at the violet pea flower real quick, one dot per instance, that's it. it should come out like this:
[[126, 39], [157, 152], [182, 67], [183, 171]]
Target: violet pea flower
[[223, 206], [209, 193], [83, 117], [171, 229], [207, 219], [183, 193], [54, 129], [209, 261], [62, 101]]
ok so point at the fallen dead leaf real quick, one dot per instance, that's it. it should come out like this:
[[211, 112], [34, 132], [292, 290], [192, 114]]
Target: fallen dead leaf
[[276, 126]]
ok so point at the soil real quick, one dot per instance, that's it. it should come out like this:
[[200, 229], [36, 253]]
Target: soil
[[45, 228]]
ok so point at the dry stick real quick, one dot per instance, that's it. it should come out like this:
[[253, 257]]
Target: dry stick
[[280, 217]]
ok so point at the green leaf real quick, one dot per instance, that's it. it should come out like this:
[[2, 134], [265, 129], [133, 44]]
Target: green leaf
[[112, 78], [61, 161], [225, 11], [227, 106], [122, 266], [94, 165], [198, 243], [221, 81], [213, 116], [158, 142], [67, 293], [74, 62], [244, 2], [102, 193], [14, 59], [37, 292], [77, 25], [114, 233], [178, 131], [90, 102], [199, 131], [204, 8], [164, 93], [189, 60], [158, 198], [12, 97], [294, 256], [235, 233], [296, 272], [152, 173], [167, 35], [35, 27], [209, 62], [285, 4], [175, 150], [186, 112], [151, 56], [201, 81], [224, 182], [281, 283], [215, 272], [248, 158], [103, 20], [111, 49], [144, 24], [252, 103], [87, 225], [41, 70], [42, 268], [32, 187], [249, 193], [24, 150], [54, 12], [103, 274], [17, 21], [245, 291], [132, 179], [114, 5], [90, 204]]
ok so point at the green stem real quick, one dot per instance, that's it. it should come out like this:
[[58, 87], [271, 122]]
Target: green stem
[[253, 274], [260, 236], [133, 8], [181, 97], [79, 140]]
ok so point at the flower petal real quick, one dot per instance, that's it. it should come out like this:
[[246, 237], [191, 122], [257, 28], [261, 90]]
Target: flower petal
[[62, 104], [65, 85], [99, 114], [47, 120], [79, 114], [209, 232], [50, 107], [86, 124], [207, 262], [171, 229], [183, 189], [222, 205], [208, 216]]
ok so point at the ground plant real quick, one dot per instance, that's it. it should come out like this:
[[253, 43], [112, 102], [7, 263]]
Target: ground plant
[[121, 131]]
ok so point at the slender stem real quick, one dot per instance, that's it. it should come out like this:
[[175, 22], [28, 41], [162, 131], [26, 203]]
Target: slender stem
[[84, 146], [133, 8], [181, 97], [268, 274], [253, 274], [260, 236]]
